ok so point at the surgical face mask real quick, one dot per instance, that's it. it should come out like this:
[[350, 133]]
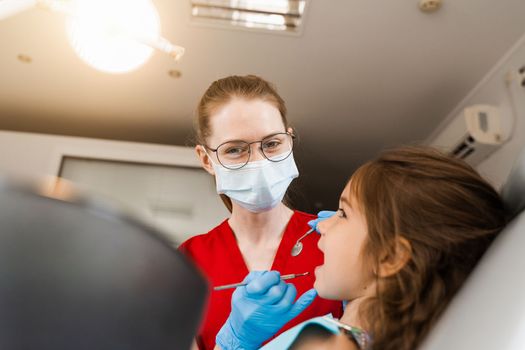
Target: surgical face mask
[[258, 186]]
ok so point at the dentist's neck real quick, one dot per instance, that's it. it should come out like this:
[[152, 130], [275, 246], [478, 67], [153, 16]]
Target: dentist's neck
[[259, 227]]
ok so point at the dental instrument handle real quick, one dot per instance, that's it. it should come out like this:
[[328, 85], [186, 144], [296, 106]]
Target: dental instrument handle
[[306, 234], [283, 278]]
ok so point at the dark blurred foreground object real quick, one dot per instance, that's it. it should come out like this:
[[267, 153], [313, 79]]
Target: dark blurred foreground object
[[76, 275]]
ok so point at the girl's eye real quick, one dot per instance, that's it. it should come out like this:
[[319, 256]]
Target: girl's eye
[[341, 213]]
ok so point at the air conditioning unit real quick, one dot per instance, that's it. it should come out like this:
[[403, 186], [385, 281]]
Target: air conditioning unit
[[474, 134]]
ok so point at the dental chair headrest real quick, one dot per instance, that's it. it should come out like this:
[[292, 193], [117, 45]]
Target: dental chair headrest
[[513, 192], [80, 276]]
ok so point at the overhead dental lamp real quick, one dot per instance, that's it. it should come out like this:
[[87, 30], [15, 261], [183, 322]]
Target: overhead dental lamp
[[114, 36]]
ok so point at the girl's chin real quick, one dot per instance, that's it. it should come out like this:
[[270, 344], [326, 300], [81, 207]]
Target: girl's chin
[[322, 289], [318, 288], [318, 285]]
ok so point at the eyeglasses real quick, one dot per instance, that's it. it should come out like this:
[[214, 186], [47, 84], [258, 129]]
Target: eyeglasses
[[236, 154]]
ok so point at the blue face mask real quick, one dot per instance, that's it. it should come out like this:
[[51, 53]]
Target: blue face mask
[[258, 186]]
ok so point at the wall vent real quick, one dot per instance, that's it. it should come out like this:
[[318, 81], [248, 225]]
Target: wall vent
[[285, 16]]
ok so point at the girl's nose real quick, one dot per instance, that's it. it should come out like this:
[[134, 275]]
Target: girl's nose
[[321, 227]]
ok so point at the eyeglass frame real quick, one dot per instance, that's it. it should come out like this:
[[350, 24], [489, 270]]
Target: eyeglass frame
[[292, 135]]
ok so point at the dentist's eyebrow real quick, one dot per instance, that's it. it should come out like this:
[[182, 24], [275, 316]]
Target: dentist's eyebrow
[[240, 140]]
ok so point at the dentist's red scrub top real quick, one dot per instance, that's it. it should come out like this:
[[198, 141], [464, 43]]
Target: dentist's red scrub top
[[219, 258]]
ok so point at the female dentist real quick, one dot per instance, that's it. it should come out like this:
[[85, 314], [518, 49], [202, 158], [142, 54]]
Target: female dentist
[[244, 140]]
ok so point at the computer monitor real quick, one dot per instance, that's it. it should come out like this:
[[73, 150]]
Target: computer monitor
[[77, 275]]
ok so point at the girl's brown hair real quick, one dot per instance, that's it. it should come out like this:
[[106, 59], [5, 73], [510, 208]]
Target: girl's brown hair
[[223, 91], [447, 213]]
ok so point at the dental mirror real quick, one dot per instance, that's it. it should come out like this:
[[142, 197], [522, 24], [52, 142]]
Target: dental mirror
[[298, 246], [297, 249]]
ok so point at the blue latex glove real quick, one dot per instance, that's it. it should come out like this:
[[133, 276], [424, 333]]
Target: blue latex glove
[[259, 310], [322, 215]]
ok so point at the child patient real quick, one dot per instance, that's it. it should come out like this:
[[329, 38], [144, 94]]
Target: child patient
[[410, 227]]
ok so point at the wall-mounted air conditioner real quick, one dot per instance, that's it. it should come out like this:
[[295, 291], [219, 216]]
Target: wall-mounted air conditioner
[[474, 134]]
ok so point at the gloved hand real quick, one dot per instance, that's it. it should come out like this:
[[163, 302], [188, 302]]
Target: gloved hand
[[259, 310], [322, 215]]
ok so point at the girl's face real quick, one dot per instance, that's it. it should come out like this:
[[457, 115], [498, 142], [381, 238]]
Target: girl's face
[[344, 275], [242, 119]]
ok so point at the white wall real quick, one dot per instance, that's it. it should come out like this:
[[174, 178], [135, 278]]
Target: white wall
[[501, 87], [33, 156]]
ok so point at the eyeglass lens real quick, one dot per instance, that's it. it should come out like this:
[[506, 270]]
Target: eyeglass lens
[[236, 154]]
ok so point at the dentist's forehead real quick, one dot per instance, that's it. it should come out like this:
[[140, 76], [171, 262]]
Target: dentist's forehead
[[248, 120]]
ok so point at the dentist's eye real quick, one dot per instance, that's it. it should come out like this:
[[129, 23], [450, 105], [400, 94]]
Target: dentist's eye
[[341, 213]]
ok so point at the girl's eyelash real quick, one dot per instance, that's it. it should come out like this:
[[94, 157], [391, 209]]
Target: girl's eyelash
[[341, 213]]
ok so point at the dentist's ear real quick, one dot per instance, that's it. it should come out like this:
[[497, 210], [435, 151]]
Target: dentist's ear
[[204, 158], [392, 263]]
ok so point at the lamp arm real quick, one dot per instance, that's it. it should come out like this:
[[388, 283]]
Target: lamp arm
[[161, 44]]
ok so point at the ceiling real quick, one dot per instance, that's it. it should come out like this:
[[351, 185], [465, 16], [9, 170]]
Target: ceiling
[[363, 75]]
